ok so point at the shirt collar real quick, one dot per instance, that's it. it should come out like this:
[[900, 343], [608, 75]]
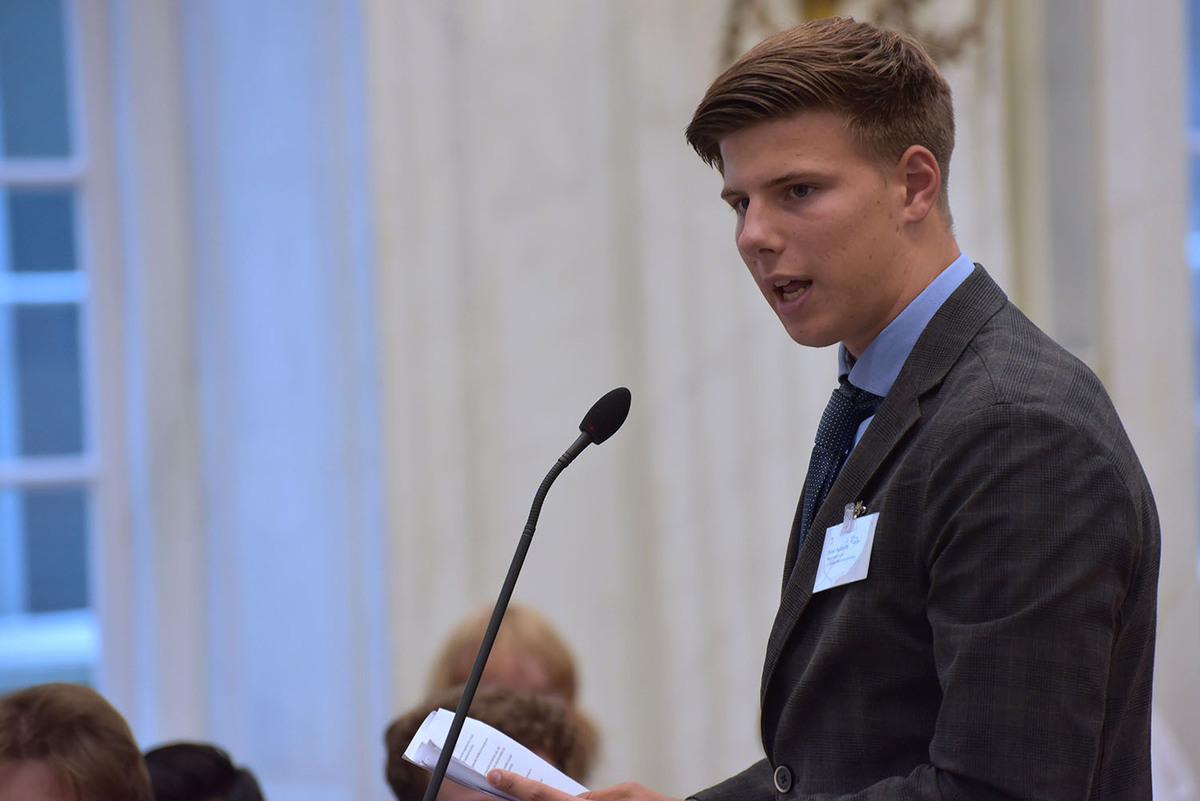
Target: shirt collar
[[880, 363]]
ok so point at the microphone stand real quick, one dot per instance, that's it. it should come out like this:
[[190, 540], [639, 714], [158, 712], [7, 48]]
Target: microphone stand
[[489, 636]]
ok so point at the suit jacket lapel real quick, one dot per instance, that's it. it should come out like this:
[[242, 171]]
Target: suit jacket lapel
[[936, 351]]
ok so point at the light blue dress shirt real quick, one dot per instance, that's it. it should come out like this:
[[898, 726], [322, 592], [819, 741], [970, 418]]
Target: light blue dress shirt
[[877, 368]]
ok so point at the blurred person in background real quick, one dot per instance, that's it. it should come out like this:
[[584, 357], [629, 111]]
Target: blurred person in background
[[188, 771], [65, 742], [529, 655]]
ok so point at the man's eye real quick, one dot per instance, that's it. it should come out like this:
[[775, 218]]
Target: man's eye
[[740, 204], [800, 190]]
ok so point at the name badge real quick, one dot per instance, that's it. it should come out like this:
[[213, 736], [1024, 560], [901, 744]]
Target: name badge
[[846, 554]]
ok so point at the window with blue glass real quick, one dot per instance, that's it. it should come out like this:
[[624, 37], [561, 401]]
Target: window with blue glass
[[47, 629]]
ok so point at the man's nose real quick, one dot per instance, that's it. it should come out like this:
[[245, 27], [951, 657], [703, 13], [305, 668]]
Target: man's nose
[[758, 232]]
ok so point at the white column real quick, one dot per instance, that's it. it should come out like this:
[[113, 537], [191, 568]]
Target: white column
[[285, 300]]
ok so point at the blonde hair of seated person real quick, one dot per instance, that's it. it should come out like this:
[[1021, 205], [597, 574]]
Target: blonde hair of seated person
[[529, 655]]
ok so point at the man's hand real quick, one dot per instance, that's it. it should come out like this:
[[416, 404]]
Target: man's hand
[[529, 790]]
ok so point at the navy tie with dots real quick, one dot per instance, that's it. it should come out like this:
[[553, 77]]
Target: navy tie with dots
[[847, 408]]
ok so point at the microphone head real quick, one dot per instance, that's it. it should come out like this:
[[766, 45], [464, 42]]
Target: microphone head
[[606, 415]]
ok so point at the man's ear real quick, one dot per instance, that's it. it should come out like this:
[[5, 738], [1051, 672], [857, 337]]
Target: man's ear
[[922, 178]]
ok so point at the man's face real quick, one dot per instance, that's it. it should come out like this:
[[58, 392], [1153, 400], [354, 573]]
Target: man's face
[[22, 780], [519, 672], [820, 227]]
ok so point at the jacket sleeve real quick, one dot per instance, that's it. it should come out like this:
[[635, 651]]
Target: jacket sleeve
[[1042, 569]]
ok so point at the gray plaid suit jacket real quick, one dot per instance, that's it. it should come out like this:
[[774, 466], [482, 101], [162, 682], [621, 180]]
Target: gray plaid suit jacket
[[1002, 644]]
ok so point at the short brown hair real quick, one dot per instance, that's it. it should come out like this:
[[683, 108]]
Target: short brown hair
[[892, 94], [538, 723], [83, 740]]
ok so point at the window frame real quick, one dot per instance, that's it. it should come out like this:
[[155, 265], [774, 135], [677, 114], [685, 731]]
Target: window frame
[[59, 644]]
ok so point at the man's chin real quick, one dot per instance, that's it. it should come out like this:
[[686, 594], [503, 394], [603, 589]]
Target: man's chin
[[809, 338]]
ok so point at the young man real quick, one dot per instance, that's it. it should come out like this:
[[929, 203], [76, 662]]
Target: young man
[[969, 611], [64, 742]]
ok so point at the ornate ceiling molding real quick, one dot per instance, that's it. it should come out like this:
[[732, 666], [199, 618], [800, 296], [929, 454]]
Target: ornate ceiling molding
[[749, 20]]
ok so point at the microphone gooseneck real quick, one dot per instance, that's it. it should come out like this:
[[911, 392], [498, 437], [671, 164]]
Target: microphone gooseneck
[[601, 422]]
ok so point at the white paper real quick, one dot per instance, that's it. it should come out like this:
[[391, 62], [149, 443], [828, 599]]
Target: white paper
[[479, 749]]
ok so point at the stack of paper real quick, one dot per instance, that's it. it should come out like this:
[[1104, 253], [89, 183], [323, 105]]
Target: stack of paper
[[481, 748]]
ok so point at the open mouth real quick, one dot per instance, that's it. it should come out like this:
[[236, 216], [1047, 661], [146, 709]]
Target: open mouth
[[789, 290]]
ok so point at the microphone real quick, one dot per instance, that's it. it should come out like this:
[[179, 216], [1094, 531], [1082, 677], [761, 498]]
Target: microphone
[[600, 423]]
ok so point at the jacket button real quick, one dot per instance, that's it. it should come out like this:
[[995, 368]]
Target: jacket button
[[783, 779]]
